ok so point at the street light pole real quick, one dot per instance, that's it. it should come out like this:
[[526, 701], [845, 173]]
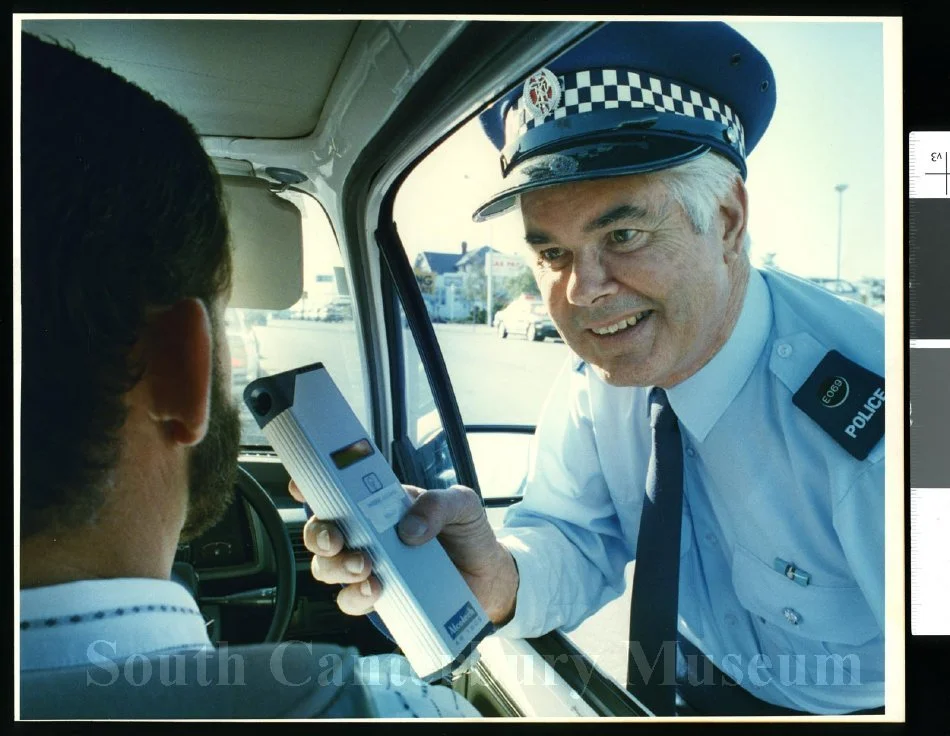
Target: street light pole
[[840, 189], [489, 277]]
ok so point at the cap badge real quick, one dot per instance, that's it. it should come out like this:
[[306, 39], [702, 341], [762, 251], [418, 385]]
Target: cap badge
[[541, 93]]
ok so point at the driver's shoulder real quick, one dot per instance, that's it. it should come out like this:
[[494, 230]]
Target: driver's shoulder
[[284, 680]]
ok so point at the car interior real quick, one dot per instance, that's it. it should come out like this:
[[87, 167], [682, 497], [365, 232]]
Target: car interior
[[352, 159], [314, 125]]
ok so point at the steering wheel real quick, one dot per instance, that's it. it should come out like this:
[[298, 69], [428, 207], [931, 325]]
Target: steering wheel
[[262, 503]]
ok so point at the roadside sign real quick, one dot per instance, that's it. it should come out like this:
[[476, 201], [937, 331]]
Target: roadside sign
[[504, 265], [426, 282]]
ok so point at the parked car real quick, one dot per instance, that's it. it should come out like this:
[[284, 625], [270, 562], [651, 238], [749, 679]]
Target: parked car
[[338, 309], [525, 316], [244, 349], [279, 314], [872, 290], [839, 287]]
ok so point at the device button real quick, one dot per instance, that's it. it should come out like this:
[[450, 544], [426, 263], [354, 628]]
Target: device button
[[371, 482]]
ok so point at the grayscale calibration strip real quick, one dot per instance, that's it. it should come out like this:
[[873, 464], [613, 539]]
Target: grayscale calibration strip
[[929, 380]]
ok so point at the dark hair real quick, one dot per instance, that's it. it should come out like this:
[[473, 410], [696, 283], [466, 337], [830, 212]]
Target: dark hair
[[121, 211]]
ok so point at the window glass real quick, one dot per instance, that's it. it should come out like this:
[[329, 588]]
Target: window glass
[[500, 346], [500, 460], [470, 272], [423, 420], [320, 327], [424, 431]]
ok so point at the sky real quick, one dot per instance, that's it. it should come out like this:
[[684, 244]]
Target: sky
[[828, 129]]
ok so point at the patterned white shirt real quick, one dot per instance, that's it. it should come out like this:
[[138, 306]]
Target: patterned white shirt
[[102, 624]]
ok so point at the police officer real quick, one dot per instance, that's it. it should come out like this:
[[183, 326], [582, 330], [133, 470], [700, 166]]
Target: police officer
[[720, 424]]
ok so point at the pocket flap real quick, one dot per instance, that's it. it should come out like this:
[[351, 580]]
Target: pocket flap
[[835, 614]]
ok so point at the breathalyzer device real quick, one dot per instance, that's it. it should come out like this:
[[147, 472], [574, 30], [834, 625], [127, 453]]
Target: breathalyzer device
[[425, 603]]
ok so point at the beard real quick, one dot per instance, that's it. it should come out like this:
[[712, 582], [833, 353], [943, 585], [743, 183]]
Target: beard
[[212, 467]]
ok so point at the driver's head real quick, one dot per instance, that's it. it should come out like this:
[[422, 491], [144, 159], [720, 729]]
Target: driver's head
[[126, 268]]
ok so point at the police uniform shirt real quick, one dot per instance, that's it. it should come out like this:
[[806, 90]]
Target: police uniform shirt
[[782, 565]]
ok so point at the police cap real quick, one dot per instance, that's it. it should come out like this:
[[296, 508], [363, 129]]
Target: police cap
[[632, 97]]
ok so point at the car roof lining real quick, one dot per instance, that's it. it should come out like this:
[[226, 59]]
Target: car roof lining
[[230, 78]]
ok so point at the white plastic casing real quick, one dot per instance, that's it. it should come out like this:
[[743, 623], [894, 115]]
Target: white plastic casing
[[425, 603]]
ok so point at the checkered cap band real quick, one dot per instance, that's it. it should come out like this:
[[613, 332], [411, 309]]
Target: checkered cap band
[[594, 90]]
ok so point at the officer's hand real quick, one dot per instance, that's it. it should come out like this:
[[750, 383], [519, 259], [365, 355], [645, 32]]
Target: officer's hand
[[454, 514], [332, 563]]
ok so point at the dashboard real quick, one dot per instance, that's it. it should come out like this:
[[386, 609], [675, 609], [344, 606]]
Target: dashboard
[[237, 546], [228, 547]]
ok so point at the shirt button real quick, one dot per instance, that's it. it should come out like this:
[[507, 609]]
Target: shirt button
[[710, 537], [731, 619], [791, 616], [690, 451], [784, 350]]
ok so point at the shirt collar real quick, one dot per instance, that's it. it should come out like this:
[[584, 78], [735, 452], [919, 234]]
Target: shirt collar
[[91, 620], [702, 398]]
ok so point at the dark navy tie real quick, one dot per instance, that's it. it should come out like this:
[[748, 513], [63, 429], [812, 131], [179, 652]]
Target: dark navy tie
[[651, 667]]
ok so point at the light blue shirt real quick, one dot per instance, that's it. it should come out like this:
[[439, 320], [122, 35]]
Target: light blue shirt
[[94, 623], [762, 482]]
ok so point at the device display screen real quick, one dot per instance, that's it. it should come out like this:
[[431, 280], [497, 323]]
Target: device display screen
[[346, 456]]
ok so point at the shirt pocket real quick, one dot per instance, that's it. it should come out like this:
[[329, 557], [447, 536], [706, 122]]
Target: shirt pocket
[[828, 614]]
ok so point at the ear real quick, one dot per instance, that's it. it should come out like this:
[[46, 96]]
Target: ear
[[178, 370], [734, 210]]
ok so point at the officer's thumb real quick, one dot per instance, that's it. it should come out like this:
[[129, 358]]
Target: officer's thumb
[[433, 511]]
